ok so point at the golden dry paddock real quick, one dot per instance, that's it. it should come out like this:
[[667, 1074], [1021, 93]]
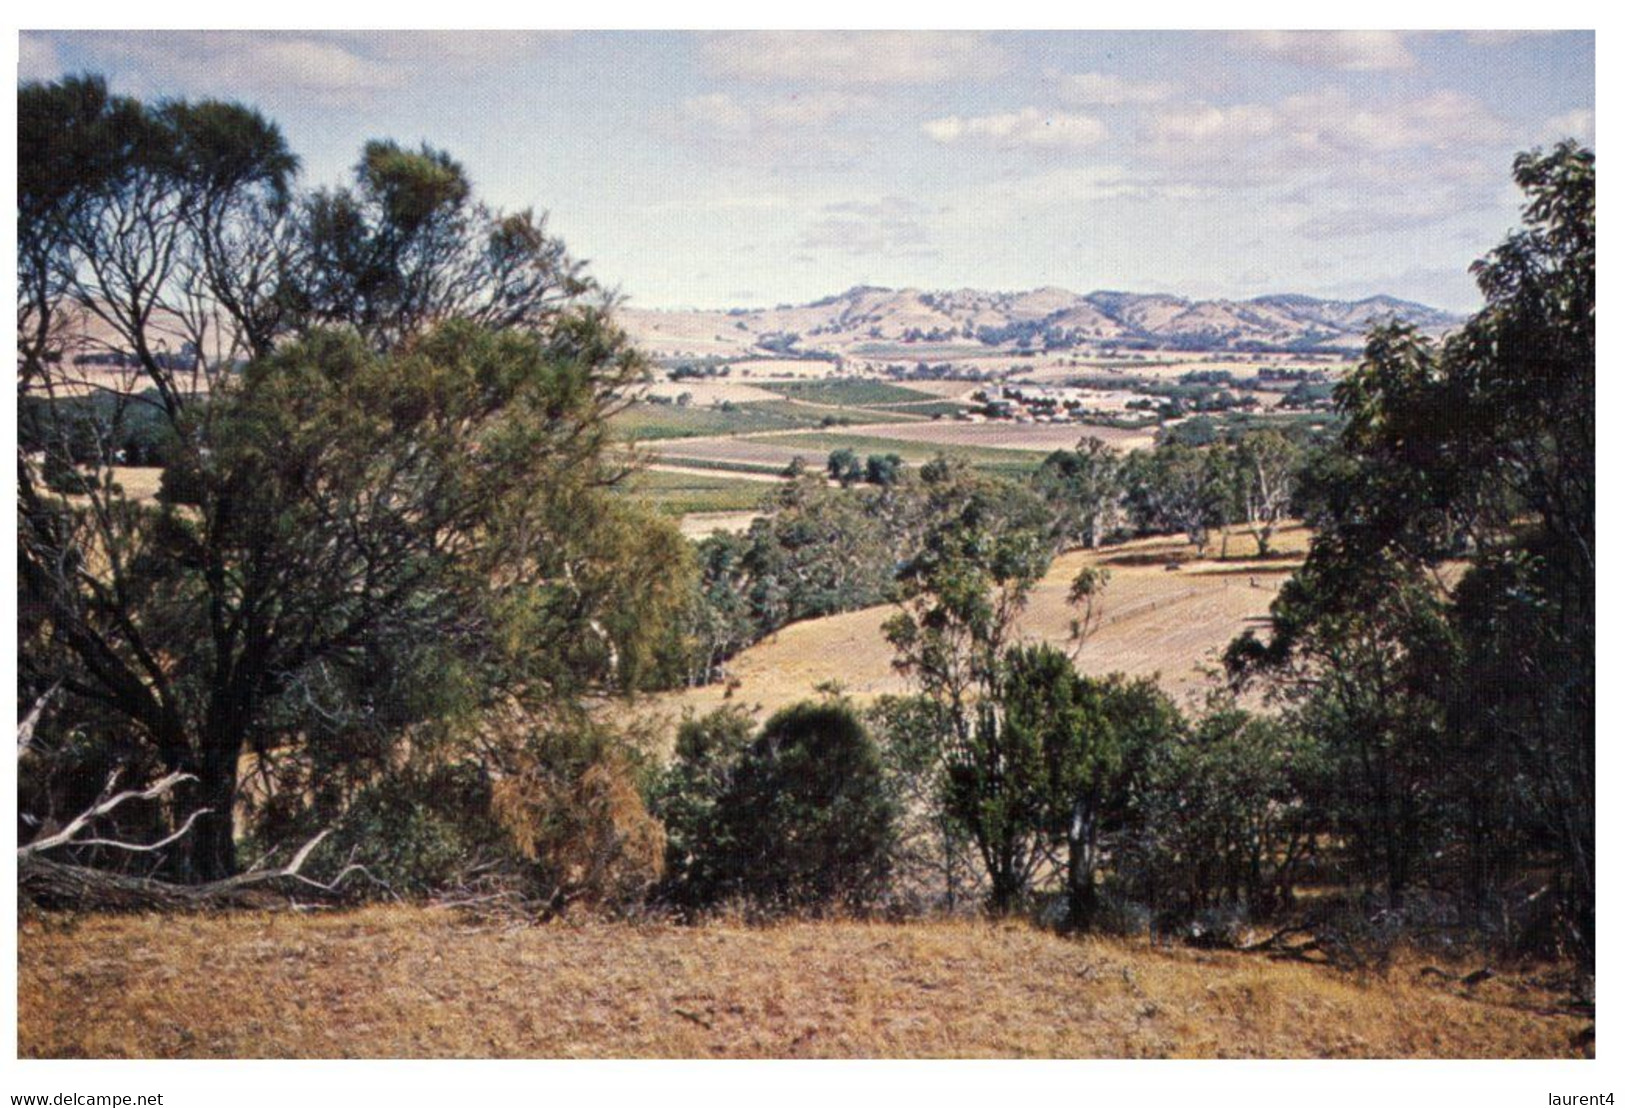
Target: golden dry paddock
[[426, 983], [1155, 622]]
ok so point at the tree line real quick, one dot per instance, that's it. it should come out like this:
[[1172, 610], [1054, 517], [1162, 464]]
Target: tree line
[[821, 549]]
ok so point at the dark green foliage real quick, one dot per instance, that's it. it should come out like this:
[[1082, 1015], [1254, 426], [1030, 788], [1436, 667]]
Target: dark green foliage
[[822, 550], [1226, 816], [1363, 651], [1461, 724], [358, 531], [687, 799], [1263, 477], [985, 546], [417, 832], [799, 819], [1179, 489], [1198, 430], [124, 208], [845, 467], [1084, 488], [808, 810], [883, 469], [407, 245], [934, 862], [1089, 741], [283, 611]]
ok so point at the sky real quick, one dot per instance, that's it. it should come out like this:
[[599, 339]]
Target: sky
[[723, 169]]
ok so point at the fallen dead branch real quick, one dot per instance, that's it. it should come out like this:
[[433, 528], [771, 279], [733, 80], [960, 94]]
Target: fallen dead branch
[[61, 885], [49, 883]]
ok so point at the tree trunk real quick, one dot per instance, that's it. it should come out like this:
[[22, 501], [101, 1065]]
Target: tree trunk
[[211, 848], [1006, 890], [1081, 898]]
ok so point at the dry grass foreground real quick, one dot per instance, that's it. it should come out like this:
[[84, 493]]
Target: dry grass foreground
[[420, 982]]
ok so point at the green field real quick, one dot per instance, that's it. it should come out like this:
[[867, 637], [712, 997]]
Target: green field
[[928, 351], [644, 422], [848, 391], [926, 408], [678, 494], [989, 459]]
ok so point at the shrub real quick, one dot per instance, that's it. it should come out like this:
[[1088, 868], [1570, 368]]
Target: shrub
[[808, 810], [1226, 821], [800, 818], [574, 813], [553, 818], [416, 831], [687, 798]]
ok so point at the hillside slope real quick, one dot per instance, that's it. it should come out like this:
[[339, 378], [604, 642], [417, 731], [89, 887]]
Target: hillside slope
[[855, 322], [1167, 624]]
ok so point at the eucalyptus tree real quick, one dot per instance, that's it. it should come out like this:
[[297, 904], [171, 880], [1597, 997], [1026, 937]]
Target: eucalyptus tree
[[1478, 448], [985, 546], [385, 503]]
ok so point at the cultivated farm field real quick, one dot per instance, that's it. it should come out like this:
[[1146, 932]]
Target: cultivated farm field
[[1043, 437], [647, 422], [684, 494]]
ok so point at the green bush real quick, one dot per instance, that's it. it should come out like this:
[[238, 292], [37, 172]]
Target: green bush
[[687, 799], [798, 819], [416, 832]]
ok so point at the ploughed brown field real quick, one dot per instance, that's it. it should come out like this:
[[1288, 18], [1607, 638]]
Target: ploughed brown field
[[423, 982]]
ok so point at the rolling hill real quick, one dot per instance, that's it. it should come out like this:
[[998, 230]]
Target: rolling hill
[[865, 320]]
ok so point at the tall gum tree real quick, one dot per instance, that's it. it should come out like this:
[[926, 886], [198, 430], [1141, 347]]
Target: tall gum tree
[[367, 521]]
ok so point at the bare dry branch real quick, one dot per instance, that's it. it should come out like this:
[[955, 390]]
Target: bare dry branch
[[109, 801], [25, 729]]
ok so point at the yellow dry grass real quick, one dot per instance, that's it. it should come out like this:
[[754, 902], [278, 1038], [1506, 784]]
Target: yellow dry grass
[[418, 982], [139, 482], [1170, 625]]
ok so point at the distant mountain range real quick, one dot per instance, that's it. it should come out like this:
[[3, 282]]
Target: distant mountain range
[[873, 322]]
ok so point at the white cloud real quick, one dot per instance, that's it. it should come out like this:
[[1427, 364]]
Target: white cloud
[[890, 226], [1324, 131], [1446, 120], [1034, 197], [1501, 38], [37, 59], [853, 57], [459, 48], [796, 129], [1345, 50], [1026, 127], [328, 68], [1581, 123], [1110, 90], [815, 109], [325, 69], [1206, 125], [1385, 213], [722, 111], [715, 111]]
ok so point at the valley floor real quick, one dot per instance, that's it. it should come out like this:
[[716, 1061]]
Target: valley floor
[[422, 982]]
